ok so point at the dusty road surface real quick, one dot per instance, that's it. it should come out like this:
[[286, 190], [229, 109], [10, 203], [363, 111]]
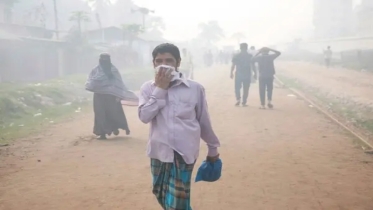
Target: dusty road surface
[[339, 82], [345, 92], [283, 159]]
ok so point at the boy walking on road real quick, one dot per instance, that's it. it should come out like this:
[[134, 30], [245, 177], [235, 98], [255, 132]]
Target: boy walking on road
[[267, 71], [241, 62], [176, 109]]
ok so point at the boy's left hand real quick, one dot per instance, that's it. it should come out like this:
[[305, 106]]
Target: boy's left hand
[[212, 159]]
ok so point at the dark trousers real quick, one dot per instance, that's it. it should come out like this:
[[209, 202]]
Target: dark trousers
[[242, 82], [109, 115], [265, 85]]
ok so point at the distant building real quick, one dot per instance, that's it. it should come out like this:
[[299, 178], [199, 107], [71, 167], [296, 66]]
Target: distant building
[[364, 18], [333, 18], [135, 51], [5, 15]]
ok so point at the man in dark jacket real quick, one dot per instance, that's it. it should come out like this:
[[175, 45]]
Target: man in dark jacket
[[265, 61], [241, 62]]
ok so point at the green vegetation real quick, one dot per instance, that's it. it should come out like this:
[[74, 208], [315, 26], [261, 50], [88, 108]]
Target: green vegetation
[[27, 108]]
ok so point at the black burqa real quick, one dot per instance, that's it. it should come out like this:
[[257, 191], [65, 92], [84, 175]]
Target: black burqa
[[107, 85]]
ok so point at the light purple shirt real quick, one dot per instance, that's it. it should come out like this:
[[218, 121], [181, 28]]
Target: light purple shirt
[[178, 119]]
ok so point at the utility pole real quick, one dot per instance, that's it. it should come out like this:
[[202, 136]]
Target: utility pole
[[98, 19], [56, 19]]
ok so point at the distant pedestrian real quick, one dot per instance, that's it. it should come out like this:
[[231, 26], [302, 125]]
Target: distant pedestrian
[[267, 71], [253, 52], [241, 62], [328, 53]]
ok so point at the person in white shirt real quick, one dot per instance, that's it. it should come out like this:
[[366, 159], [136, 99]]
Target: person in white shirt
[[253, 52], [186, 65], [328, 56]]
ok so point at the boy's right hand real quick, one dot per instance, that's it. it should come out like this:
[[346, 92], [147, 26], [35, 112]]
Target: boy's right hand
[[163, 78]]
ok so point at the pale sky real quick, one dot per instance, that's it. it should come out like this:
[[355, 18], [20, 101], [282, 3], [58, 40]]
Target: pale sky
[[263, 21]]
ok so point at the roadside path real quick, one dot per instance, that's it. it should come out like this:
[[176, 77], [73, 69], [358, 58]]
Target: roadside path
[[288, 158]]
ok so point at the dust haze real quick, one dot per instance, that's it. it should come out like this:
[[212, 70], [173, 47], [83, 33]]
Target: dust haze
[[291, 59], [207, 24]]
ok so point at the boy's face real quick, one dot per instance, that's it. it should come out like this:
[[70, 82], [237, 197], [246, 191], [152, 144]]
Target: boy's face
[[166, 59]]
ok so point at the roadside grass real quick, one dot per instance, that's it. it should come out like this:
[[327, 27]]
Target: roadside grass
[[358, 115], [26, 109]]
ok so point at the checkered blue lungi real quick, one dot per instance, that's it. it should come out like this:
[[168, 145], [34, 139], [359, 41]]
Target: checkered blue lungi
[[171, 183]]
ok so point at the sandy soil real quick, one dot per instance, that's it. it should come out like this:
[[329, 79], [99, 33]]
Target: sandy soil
[[353, 85], [288, 158], [346, 93]]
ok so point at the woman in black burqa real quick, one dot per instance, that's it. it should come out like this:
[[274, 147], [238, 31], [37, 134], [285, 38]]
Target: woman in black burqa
[[108, 88]]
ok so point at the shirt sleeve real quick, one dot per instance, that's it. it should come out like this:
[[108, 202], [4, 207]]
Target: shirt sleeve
[[207, 133], [274, 56], [150, 102]]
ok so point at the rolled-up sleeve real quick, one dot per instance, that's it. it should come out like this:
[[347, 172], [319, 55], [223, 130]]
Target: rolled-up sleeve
[[207, 133], [150, 102]]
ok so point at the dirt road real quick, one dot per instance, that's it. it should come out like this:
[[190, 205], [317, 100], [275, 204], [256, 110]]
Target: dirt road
[[345, 84], [288, 158], [345, 92]]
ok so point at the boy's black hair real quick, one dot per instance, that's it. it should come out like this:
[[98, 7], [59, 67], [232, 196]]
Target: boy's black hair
[[167, 48], [244, 46]]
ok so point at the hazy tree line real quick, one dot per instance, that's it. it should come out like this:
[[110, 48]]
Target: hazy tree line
[[70, 18]]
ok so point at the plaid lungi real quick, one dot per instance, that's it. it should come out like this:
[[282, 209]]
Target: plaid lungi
[[171, 183]]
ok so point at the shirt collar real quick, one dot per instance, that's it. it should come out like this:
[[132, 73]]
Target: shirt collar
[[183, 80]]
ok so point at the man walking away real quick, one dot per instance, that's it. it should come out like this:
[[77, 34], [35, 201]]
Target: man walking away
[[242, 63], [328, 56], [176, 109], [267, 71]]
